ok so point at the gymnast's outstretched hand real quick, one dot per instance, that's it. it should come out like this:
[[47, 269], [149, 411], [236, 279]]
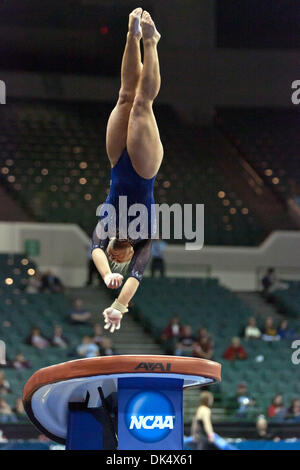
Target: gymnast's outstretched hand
[[112, 319], [113, 280]]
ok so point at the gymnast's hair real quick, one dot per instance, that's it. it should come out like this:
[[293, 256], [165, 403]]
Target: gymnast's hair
[[206, 399]]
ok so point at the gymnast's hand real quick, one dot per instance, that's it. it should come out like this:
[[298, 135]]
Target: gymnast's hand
[[113, 280], [112, 319]]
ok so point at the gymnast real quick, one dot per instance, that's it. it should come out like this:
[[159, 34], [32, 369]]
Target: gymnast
[[135, 153]]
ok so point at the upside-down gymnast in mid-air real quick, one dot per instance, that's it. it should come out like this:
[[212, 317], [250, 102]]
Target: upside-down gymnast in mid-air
[[135, 153]]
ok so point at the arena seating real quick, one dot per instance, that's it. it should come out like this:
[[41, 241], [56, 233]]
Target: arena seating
[[288, 301], [198, 302], [204, 303], [19, 312], [267, 140], [54, 163]]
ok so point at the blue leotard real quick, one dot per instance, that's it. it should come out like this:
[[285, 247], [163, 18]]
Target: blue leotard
[[125, 181]]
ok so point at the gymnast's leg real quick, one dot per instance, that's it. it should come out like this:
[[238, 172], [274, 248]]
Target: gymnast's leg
[[116, 133], [143, 140]]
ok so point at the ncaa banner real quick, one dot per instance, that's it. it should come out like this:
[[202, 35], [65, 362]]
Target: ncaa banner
[[150, 413]]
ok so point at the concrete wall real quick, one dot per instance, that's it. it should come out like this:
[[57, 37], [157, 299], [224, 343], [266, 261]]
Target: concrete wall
[[64, 249]]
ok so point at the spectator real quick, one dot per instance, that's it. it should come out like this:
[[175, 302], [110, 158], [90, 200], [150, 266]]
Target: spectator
[[98, 334], [186, 342], [19, 408], [173, 329], [20, 362], [271, 282], [107, 349], [4, 384], [201, 332], [51, 283], [6, 413], [203, 348], [58, 338], [277, 409], [251, 330], [187, 339], [157, 261], [262, 432], [241, 401], [36, 339], [294, 411], [79, 315], [34, 285], [284, 332], [87, 348], [235, 351], [270, 331]]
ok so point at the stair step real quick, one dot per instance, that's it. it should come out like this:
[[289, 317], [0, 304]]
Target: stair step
[[258, 305], [131, 339]]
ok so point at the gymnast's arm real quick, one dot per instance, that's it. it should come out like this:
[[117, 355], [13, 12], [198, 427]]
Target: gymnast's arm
[[140, 259], [101, 262], [114, 314], [128, 290], [113, 281]]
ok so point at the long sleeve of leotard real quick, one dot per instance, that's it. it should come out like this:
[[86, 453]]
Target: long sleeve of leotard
[[140, 259], [97, 242]]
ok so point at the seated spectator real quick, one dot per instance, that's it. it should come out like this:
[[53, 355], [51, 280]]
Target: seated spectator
[[107, 348], [19, 408], [187, 339], [51, 283], [270, 331], [271, 282], [203, 348], [173, 329], [235, 351], [36, 339], [4, 384], [6, 413], [202, 332], [34, 284], [251, 330], [58, 338], [20, 362], [240, 403], [285, 332], [186, 342], [79, 315], [277, 409], [98, 334], [87, 348], [262, 432], [293, 412]]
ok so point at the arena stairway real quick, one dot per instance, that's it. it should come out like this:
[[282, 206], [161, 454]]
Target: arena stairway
[[258, 196], [10, 210], [131, 339], [260, 308]]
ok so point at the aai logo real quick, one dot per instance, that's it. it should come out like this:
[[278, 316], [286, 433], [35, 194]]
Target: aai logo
[[150, 416]]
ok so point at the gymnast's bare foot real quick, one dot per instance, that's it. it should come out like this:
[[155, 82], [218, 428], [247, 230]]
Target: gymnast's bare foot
[[148, 28], [134, 26]]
